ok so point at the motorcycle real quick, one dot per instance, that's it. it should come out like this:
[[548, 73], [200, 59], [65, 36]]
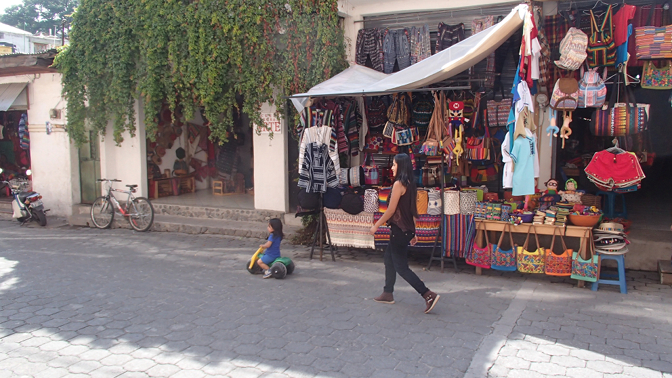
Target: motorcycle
[[26, 205]]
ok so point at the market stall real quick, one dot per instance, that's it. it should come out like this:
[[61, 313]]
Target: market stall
[[476, 146]]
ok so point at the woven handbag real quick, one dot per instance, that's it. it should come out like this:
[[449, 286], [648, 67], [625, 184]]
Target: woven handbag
[[498, 112], [601, 46], [432, 143], [371, 201], [504, 258], [371, 172], [622, 118], [657, 78], [653, 42], [558, 264], [468, 199], [383, 199], [422, 201], [480, 256], [451, 202], [586, 270], [434, 202], [530, 261]]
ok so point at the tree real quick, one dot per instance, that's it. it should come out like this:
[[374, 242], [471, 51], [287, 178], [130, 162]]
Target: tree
[[37, 16], [190, 54]]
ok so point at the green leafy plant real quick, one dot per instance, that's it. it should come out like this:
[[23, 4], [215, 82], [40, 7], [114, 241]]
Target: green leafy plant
[[221, 56]]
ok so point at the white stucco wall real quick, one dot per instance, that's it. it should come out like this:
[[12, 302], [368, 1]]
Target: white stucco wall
[[53, 157], [128, 161], [270, 168]]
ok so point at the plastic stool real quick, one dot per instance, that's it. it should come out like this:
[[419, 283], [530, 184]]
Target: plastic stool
[[620, 281], [609, 207]]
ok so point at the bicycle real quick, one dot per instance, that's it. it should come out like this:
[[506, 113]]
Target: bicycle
[[138, 210]]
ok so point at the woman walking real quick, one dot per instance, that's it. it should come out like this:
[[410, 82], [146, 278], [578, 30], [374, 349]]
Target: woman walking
[[400, 215]]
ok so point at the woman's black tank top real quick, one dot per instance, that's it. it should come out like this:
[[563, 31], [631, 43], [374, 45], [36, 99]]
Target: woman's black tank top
[[403, 215]]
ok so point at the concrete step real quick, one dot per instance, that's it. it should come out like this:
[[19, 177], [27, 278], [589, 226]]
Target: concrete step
[[171, 223], [216, 213]]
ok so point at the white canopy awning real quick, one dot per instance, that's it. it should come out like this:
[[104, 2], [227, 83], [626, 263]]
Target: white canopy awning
[[9, 93], [351, 82], [358, 80]]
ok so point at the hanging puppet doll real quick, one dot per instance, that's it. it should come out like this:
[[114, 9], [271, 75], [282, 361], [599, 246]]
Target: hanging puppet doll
[[456, 121]]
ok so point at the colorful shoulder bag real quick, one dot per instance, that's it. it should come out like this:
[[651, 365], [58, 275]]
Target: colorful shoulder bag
[[558, 264], [657, 78], [530, 261], [480, 256], [586, 270], [504, 258]]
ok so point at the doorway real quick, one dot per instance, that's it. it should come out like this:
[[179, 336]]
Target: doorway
[[89, 169]]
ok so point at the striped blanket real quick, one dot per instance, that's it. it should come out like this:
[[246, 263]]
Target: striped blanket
[[348, 230], [426, 229], [460, 232]]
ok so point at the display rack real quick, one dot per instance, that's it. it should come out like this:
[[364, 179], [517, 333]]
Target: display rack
[[324, 237]]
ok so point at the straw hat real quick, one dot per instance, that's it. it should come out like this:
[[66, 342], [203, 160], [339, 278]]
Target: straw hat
[[611, 228]]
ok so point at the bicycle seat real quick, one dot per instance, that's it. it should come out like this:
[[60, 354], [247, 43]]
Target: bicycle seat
[[132, 186]]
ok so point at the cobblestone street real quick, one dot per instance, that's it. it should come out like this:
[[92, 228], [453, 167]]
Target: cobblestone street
[[115, 303]]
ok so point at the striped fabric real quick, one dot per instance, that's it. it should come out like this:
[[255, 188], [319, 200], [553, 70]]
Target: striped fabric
[[460, 231], [349, 230], [427, 229], [383, 199], [654, 43]]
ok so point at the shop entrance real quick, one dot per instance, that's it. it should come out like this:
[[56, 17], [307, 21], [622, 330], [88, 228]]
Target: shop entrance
[[89, 169], [185, 167], [14, 145]]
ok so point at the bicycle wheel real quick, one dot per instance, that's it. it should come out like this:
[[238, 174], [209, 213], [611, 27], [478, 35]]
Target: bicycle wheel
[[102, 212], [141, 214]]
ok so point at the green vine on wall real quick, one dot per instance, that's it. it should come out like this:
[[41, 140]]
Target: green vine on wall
[[193, 54]]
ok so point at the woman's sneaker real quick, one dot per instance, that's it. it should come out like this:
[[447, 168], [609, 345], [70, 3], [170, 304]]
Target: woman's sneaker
[[268, 273]]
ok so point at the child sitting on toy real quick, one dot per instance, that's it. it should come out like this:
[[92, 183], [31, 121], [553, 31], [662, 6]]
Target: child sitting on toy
[[272, 246]]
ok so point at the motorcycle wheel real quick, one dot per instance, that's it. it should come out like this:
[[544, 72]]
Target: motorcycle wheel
[[40, 217]]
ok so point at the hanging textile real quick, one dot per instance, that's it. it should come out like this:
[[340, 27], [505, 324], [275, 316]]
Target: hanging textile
[[449, 35], [369, 49], [396, 49], [460, 231], [477, 26], [349, 230], [24, 136]]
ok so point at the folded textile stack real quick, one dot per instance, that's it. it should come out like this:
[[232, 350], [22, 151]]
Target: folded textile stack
[[615, 170], [563, 211], [550, 217], [610, 239], [539, 217]]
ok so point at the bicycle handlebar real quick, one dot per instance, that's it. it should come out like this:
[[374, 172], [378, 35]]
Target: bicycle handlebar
[[111, 180]]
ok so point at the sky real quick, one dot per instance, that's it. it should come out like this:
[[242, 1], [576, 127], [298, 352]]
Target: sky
[[8, 3]]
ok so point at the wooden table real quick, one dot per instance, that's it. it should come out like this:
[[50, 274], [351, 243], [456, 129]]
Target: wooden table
[[171, 186], [582, 233]]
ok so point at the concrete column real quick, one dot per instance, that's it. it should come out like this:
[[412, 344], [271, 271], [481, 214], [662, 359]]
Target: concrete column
[[270, 162], [127, 162], [54, 159]]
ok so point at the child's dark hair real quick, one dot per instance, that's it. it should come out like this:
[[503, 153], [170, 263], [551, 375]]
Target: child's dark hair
[[276, 225]]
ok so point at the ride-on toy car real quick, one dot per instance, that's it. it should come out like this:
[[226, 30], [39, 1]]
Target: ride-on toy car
[[280, 267]]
